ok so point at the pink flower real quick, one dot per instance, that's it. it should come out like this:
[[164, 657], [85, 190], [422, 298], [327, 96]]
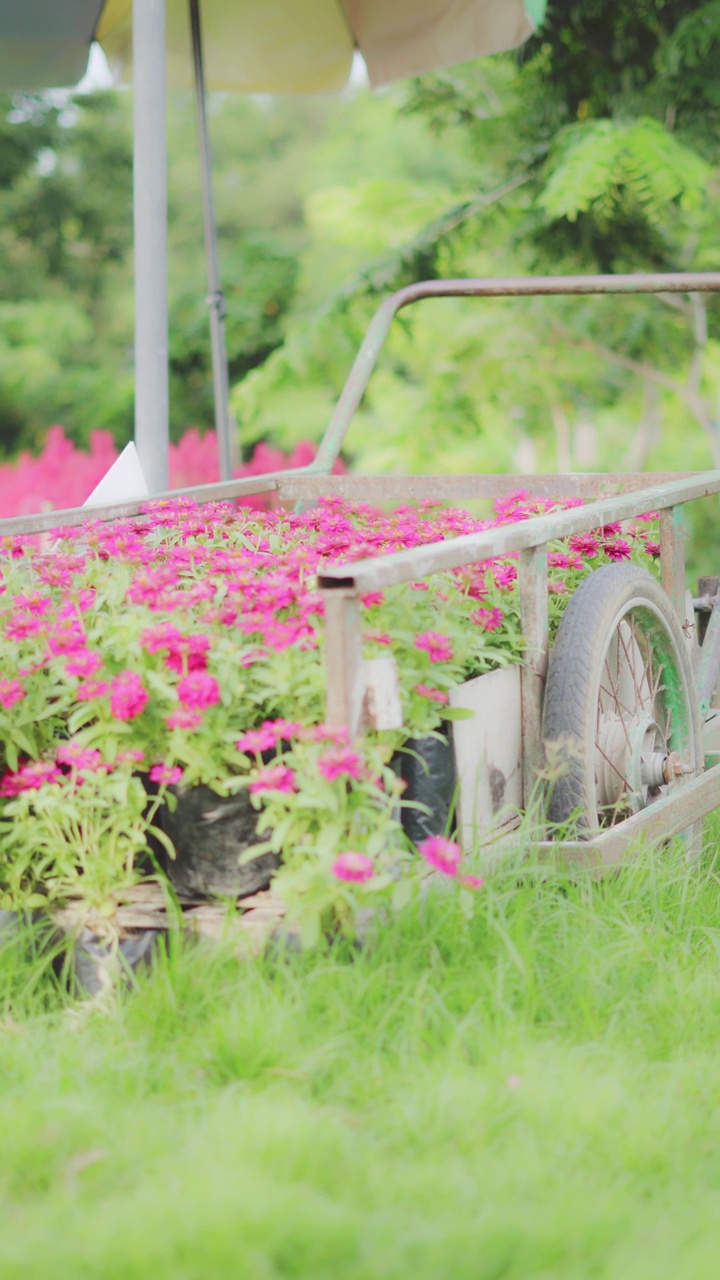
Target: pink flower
[[84, 663], [129, 757], [83, 759], [341, 762], [619, 549], [11, 691], [199, 691], [354, 868], [380, 637], [276, 778], [30, 777], [257, 740], [324, 733], [652, 548], [435, 695], [92, 689], [165, 774], [372, 598], [34, 603], [437, 646], [128, 697], [184, 719], [585, 544], [488, 619], [472, 882], [505, 575], [441, 853]]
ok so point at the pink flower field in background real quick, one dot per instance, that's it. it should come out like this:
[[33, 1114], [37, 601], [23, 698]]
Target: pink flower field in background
[[64, 476]]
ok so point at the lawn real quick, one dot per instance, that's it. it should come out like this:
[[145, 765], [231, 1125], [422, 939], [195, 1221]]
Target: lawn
[[531, 1093]]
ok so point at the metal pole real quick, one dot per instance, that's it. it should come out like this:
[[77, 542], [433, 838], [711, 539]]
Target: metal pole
[[215, 298], [150, 231]]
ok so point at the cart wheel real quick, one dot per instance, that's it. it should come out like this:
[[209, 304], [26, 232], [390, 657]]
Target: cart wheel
[[620, 701]]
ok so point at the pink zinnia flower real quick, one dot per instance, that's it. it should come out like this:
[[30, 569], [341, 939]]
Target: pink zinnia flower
[[84, 663], [257, 740], [83, 759], [354, 868], [183, 719], [199, 691], [129, 757], [276, 778], [128, 697], [11, 691], [342, 762], [488, 619], [441, 853], [473, 882], [92, 689], [372, 598], [30, 777], [505, 575], [585, 544], [437, 646], [619, 549], [435, 695], [652, 548], [166, 774]]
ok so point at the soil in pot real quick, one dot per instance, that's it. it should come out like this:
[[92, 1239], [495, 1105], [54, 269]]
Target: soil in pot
[[210, 832], [427, 766]]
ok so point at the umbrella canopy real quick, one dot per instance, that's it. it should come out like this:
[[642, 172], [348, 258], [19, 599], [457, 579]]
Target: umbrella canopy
[[253, 46], [263, 46]]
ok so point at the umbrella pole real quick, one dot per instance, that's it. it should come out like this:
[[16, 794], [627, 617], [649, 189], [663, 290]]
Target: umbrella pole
[[150, 237], [215, 299]]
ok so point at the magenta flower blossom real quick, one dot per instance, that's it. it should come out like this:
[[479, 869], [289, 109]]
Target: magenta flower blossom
[[505, 575], [372, 598], [585, 544], [488, 619], [183, 719], [437, 646], [354, 868], [472, 882], [441, 853], [165, 774], [435, 695], [11, 691], [652, 548], [277, 777], [84, 663], [257, 740], [30, 777], [128, 697], [342, 762], [83, 759], [199, 691], [617, 549], [92, 689]]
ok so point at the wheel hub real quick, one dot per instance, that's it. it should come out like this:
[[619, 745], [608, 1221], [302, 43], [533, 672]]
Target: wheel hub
[[632, 762]]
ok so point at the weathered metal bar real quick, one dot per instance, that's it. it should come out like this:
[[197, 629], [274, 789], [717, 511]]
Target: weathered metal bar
[[215, 298], [414, 488], [150, 241], [404, 566], [344, 661], [498, 287], [532, 580], [664, 818], [709, 665], [42, 521], [673, 536]]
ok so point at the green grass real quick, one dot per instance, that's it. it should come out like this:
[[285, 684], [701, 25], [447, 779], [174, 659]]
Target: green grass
[[532, 1094]]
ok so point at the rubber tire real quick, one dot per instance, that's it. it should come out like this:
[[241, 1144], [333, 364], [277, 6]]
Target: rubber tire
[[572, 689]]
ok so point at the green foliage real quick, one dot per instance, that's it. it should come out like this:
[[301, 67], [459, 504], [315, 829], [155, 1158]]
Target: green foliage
[[606, 166]]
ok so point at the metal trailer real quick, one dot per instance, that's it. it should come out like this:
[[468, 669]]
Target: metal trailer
[[627, 689]]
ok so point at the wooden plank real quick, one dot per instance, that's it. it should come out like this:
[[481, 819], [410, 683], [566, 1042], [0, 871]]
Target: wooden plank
[[673, 536], [344, 661], [454, 488], [533, 583]]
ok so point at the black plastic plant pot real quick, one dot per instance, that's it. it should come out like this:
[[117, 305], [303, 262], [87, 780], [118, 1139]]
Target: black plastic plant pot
[[427, 766], [210, 833]]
